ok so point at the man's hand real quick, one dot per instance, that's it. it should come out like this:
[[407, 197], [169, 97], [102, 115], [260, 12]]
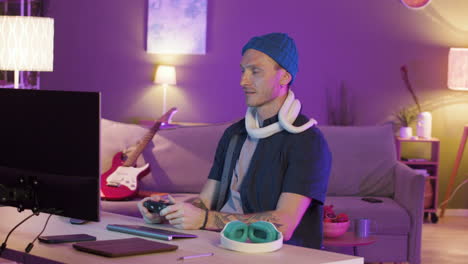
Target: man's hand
[[184, 216], [152, 218]]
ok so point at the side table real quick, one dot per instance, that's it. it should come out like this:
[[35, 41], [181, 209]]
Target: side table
[[429, 162], [349, 239]]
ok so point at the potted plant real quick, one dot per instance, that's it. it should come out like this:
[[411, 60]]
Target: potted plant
[[404, 117]]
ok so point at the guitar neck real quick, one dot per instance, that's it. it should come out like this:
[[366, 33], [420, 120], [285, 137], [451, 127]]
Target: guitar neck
[[131, 159]]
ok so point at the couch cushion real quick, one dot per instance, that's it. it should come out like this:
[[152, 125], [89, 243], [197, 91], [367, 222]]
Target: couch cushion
[[390, 218], [180, 159], [363, 160]]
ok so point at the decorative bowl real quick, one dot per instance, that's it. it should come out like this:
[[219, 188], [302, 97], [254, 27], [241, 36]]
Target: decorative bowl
[[331, 229]]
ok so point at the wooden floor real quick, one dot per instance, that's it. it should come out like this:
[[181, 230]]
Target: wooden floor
[[445, 242]]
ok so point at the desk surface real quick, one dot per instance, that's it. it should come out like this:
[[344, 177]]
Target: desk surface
[[207, 241]]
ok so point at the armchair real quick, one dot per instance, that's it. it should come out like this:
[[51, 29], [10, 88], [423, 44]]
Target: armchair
[[365, 164]]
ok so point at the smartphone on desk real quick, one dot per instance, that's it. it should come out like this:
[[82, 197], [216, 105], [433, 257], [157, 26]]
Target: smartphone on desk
[[66, 238]]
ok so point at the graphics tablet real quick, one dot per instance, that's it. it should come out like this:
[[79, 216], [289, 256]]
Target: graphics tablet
[[123, 247], [149, 232]]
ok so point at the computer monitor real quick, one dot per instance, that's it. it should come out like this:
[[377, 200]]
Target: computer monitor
[[49, 152]]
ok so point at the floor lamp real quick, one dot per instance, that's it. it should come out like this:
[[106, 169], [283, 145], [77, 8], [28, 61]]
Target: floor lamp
[[457, 80], [26, 44]]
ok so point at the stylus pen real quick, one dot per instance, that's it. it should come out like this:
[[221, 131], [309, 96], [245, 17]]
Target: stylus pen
[[197, 256]]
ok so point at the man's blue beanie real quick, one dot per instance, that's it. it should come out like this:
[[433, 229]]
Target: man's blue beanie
[[280, 47]]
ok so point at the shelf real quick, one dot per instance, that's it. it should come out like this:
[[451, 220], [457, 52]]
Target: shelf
[[431, 164], [174, 124], [418, 139], [420, 162]]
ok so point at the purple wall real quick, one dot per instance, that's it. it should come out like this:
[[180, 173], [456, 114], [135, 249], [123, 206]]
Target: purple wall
[[100, 46]]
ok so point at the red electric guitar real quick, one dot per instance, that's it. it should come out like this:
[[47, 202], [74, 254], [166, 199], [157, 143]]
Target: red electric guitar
[[120, 182]]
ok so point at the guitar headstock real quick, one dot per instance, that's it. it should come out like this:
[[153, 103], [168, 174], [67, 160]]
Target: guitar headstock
[[147, 138], [167, 116]]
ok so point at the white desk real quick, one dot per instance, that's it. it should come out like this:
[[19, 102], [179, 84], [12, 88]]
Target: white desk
[[207, 241]]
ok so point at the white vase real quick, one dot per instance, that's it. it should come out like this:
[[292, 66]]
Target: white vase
[[424, 125], [406, 132]]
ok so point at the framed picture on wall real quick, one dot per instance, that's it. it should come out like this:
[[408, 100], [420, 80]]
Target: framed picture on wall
[[177, 26]]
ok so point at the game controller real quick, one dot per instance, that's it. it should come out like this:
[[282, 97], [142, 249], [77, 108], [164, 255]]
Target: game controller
[[155, 207]]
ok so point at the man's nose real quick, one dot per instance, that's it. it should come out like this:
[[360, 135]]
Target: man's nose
[[245, 80]]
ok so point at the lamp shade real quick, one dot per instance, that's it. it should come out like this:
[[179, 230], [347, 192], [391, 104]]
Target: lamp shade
[[165, 75], [458, 69], [26, 43]]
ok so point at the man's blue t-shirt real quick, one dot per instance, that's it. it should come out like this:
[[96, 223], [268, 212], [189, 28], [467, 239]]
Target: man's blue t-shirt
[[284, 162]]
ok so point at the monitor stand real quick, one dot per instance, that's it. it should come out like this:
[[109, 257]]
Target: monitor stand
[[76, 221]]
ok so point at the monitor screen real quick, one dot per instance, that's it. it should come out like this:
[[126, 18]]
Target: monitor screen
[[49, 151]]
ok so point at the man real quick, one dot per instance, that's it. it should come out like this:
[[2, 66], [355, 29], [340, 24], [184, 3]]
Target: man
[[271, 166]]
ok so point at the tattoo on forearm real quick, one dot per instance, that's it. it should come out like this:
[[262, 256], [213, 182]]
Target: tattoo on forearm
[[199, 203], [221, 219]]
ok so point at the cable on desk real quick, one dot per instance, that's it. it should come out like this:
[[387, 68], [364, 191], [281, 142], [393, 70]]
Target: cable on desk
[[2, 248], [31, 245]]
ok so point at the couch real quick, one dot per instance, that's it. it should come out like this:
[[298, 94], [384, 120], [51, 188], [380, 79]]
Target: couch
[[364, 164]]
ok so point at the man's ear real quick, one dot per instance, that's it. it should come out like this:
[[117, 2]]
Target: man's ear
[[286, 78]]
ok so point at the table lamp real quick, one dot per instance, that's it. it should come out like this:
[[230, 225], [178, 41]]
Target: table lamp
[[165, 75], [457, 80], [26, 44]]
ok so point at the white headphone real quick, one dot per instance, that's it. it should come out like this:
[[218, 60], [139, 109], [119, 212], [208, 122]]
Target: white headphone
[[286, 116], [234, 237]]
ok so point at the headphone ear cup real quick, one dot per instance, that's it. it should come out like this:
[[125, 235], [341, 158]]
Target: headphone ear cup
[[262, 232], [236, 231]]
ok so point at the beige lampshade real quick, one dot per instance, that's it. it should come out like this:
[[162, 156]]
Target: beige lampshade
[[165, 75], [458, 69], [26, 43]]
